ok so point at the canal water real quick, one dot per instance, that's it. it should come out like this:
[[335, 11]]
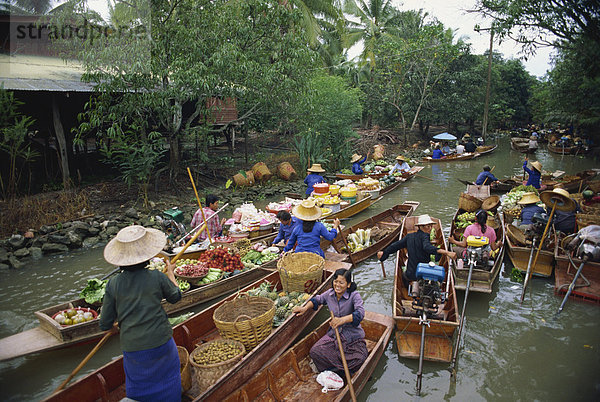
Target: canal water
[[509, 351]]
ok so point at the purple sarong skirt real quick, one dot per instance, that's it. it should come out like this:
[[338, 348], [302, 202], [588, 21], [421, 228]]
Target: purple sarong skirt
[[153, 374], [326, 355]]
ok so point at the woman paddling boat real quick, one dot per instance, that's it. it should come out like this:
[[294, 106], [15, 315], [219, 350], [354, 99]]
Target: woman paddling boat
[[306, 236]]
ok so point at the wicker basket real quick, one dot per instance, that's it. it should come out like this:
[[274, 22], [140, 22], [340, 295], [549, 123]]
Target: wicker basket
[[468, 202], [208, 374], [516, 235], [185, 368], [512, 214], [300, 272], [247, 319], [584, 220]]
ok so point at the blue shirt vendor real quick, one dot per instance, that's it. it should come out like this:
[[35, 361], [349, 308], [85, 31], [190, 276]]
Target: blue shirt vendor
[[307, 234], [314, 177]]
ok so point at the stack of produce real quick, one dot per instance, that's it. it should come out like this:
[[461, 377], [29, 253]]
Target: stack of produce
[[377, 167], [368, 184], [359, 240], [74, 316], [221, 258], [217, 352], [284, 301], [464, 220], [93, 293], [390, 179], [259, 255], [509, 200]]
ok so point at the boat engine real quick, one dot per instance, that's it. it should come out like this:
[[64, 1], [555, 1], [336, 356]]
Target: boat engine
[[171, 224], [587, 242], [479, 249], [538, 225], [429, 295]]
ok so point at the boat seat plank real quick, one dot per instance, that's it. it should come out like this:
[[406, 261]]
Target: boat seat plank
[[437, 348]]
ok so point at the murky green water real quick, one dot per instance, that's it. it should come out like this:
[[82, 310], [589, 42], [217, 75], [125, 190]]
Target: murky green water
[[509, 351]]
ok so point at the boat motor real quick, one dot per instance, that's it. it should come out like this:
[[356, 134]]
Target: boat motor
[[538, 224], [171, 224], [479, 249], [587, 242], [429, 295]]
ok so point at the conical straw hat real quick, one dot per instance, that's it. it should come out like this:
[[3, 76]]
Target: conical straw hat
[[400, 158], [316, 168], [355, 158], [423, 220], [537, 166], [560, 197], [307, 211], [133, 245], [529, 198]]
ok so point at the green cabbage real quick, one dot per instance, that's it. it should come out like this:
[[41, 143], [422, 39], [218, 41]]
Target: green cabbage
[[94, 291]]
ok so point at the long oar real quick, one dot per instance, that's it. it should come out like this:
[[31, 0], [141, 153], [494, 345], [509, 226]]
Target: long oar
[[84, 361], [199, 204], [539, 249], [343, 355], [423, 322], [425, 177], [572, 285], [527, 272], [462, 317], [491, 170], [382, 268], [198, 227]]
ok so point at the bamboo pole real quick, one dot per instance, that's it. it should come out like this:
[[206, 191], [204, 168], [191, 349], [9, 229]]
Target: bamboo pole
[[199, 204]]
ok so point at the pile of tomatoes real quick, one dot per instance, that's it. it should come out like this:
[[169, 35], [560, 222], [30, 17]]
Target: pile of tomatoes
[[221, 258]]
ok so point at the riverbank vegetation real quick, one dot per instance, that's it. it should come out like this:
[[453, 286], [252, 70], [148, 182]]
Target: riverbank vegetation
[[164, 77]]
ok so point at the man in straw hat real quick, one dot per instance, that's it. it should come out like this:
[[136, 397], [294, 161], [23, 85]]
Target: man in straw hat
[[314, 177], [358, 160], [133, 300], [486, 176], [529, 208], [419, 248], [306, 235], [400, 166], [566, 208], [535, 173], [533, 144]]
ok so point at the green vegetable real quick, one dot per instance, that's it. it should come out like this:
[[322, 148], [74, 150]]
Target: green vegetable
[[94, 291], [180, 318]]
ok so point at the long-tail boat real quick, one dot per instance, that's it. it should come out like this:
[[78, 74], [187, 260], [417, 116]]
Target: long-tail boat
[[406, 176], [108, 382], [587, 287], [50, 335], [482, 280], [438, 336], [519, 253], [567, 150], [486, 149], [387, 225], [355, 177], [290, 378], [452, 158], [521, 145]]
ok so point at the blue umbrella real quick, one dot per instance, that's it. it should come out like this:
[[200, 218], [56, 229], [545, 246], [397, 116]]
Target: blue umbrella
[[445, 137]]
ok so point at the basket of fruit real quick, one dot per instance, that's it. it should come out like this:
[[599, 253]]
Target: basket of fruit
[[247, 319], [213, 359], [74, 316], [191, 271]]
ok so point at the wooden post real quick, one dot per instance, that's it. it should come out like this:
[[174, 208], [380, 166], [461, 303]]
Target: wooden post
[[61, 142], [245, 130], [487, 89]]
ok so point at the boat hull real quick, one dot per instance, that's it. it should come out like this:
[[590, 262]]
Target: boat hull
[[519, 256], [452, 158], [565, 272]]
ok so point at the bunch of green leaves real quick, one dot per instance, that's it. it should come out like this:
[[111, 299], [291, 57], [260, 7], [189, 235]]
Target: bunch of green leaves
[[516, 275], [94, 291], [311, 148]]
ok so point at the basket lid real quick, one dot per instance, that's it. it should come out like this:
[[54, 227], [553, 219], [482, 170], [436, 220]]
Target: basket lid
[[490, 203], [516, 235]]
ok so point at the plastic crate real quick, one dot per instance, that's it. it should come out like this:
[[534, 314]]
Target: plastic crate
[[174, 214]]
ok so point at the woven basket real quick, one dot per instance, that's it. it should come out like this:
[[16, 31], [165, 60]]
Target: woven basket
[[208, 374], [584, 220], [468, 202], [247, 319], [516, 235], [300, 272], [491, 203], [185, 368], [511, 214]]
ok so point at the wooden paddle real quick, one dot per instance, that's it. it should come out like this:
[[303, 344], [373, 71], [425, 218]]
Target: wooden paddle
[[382, 268], [346, 371], [491, 170], [84, 361], [425, 177], [199, 204]]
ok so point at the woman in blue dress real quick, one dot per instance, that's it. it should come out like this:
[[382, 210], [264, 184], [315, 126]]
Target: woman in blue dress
[[314, 177], [358, 160], [535, 174], [306, 236]]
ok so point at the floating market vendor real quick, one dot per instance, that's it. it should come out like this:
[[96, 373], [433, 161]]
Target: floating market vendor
[[486, 177], [563, 221], [401, 165], [287, 225], [314, 177], [133, 300], [437, 153], [479, 228], [213, 224], [357, 161], [307, 234], [470, 145], [535, 174], [533, 144], [446, 148], [465, 138], [529, 208], [419, 248], [347, 307], [460, 149]]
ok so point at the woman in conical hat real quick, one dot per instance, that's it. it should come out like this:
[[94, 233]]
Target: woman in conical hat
[[313, 177], [133, 300], [535, 174], [307, 236], [529, 208], [400, 166], [564, 219], [358, 160]]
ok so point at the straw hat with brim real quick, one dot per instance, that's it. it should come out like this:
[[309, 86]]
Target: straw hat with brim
[[537, 166], [355, 158], [307, 211], [529, 198], [133, 245], [467, 135], [316, 168], [423, 220], [490, 203], [560, 197], [400, 158]]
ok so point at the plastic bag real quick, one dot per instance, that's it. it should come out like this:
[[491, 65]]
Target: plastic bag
[[330, 381]]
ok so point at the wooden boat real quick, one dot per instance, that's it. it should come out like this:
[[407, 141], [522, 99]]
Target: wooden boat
[[389, 221], [50, 335], [405, 177], [486, 149], [521, 145], [567, 182], [452, 158], [571, 150], [482, 280], [108, 382], [438, 336], [290, 378], [363, 201], [355, 177], [587, 289], [519, 255]]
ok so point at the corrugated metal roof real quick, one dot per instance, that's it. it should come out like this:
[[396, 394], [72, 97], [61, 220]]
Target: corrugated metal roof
[[31, 84]]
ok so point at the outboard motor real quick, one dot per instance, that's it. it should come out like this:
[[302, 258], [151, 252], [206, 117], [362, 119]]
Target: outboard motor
[[171, 224], [478, 248], [429, 294], [539, 222]]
